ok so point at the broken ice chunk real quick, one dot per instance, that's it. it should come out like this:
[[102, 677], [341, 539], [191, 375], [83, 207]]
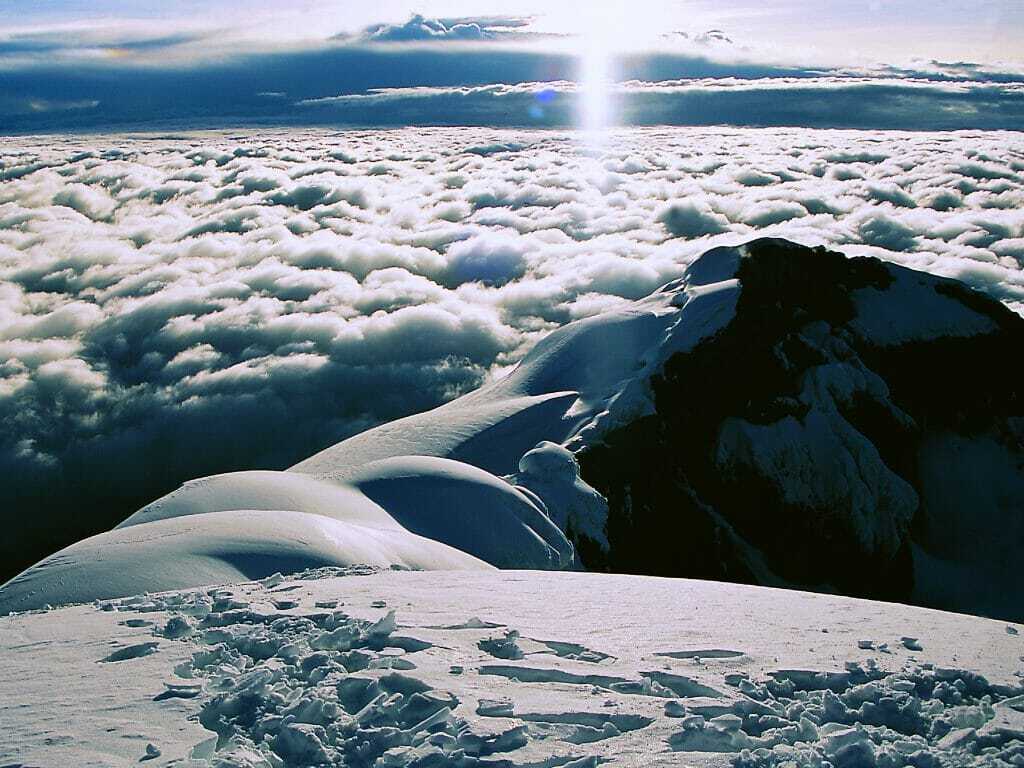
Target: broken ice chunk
[[674, 709], [494, 708]]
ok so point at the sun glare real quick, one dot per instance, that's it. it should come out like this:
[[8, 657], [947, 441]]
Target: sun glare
[[595, 85], [603, 28], [606, 30]]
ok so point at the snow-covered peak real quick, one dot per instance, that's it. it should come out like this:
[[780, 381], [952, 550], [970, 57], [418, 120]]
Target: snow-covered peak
[[779, 413], [581, 378], [800, 443], [714, 266]]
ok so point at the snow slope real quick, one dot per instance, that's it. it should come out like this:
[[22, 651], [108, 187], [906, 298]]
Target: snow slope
[[429, 474], [390, 668], [218, 547], [444, 499], [570, 385]]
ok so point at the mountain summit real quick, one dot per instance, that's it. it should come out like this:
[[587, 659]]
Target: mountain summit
[[781, 415]]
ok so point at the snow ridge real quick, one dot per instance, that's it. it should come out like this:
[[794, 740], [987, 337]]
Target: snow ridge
[[779, 414], [437, 476]]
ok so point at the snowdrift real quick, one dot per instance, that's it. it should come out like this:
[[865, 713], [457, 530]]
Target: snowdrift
[[781, 415], [218, 548], [446, 500]]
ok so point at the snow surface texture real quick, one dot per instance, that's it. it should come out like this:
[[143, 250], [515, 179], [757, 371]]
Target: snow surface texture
[[364, 667], [162, 295]]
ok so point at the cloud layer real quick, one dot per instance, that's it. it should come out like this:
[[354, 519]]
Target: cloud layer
[[846, 101], [173, 306], [500, 71]]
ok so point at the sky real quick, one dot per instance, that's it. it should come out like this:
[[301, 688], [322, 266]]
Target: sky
[[71, 65], [984, 31]]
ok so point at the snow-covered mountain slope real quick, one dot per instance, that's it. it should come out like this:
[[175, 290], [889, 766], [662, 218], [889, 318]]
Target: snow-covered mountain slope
[[368, 667], [431, 474], [780, 414], [566, 388]]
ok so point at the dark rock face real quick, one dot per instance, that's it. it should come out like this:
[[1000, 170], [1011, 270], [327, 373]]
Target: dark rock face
[[790, 447]]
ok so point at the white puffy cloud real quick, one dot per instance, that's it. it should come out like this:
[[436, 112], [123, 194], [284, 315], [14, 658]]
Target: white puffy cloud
[[419, 28], [181, 305], [690, 219], [886, 232], [490, 259]]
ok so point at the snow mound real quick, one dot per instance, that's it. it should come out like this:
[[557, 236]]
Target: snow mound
[[415, 511], [440, 499], [467, 508], [216, 548], [265, 490]]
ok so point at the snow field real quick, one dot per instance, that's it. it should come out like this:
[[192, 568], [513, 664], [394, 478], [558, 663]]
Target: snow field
[[370, 667]]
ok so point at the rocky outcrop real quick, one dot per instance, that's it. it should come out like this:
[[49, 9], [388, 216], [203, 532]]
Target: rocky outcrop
[[809, 442]]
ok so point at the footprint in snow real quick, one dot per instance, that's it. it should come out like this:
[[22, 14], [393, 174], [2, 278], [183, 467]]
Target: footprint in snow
[[179, 691], [471, 623], [574, 651], [711, 653], [506, 647], [152, 752], [130, 652]]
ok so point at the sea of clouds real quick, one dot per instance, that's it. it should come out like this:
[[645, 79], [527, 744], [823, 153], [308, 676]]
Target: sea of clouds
[[174, 306]]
